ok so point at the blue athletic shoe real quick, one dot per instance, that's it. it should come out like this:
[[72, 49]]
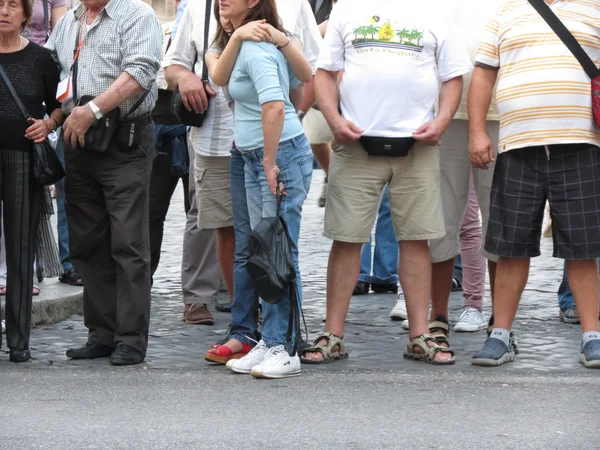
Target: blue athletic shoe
[[590, 354], [494, 353]]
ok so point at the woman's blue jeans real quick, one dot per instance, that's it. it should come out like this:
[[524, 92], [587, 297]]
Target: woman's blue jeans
[[383, 267], [295, 160]]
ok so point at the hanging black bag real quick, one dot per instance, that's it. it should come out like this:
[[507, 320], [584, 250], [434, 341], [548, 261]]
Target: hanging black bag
[[183, 116], [271, 265], [47, 168]]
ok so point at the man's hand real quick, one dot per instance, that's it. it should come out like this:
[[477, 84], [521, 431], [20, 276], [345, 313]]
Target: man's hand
[[77, 124], [481, 150], [272, 174], [39, 130], [431, 132], [194, 93], [346, 132]]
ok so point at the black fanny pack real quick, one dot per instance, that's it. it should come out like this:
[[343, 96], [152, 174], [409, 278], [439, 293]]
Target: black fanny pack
[[382, 146], [127, 132]]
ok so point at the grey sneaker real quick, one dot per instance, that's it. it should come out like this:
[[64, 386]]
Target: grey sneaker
[[590, 354], [494, 353], [569, 315]]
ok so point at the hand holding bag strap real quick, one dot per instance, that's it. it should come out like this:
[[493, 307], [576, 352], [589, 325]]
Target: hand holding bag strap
[[566, 37], [14, 94]]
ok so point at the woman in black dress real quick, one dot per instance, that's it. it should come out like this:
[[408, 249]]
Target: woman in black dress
[[35, 76]]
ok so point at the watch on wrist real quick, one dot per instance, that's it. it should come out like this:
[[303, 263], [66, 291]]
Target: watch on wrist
[[97, 113], [301, 115]]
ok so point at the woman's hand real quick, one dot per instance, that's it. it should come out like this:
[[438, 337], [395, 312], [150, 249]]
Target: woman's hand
[[277, 37], [272, 174], [257, 31], [39, 130]]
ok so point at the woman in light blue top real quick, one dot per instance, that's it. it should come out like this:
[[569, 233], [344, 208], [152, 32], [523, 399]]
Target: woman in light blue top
[[276, 152]]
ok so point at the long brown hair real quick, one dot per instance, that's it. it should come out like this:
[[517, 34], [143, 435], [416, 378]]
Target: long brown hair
[[221, 38]]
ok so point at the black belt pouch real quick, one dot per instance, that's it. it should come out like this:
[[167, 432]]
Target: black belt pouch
[[101, 133], [130, 132], [382, 146]]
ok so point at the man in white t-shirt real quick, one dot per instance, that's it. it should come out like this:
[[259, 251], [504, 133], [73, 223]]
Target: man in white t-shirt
[[394, 56]]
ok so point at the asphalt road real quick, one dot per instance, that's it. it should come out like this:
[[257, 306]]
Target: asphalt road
[[137, 408]]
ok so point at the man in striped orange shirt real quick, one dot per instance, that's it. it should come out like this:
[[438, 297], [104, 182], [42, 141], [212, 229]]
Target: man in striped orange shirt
[[548, 150]]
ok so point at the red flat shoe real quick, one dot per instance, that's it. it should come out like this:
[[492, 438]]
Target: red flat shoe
[[220, 354]]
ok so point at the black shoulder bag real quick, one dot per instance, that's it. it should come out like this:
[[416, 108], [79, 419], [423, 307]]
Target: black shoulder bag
[[575, 48], [271, 266], [47, 168], [185, 117]]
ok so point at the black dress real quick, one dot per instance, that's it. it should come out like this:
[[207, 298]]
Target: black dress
[[35, 77]]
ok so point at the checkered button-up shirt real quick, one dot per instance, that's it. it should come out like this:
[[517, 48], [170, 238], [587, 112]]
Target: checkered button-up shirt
[[125, 37]]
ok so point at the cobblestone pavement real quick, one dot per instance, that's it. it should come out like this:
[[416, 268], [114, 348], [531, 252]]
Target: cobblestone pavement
[[374, 342]]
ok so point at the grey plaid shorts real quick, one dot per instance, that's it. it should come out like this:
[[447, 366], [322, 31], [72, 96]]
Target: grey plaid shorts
[[568, 177]]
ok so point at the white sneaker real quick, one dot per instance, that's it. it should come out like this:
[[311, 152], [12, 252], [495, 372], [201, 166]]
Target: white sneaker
[[399, 311], [404, 325], [245, 364], [277, 364], [3, 327], [471, 320]]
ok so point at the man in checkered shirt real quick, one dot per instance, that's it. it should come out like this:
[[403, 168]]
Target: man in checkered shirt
[[119, 44]]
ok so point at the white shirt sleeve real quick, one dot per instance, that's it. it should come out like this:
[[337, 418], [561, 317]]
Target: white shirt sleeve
[[333, 51], [311, 36], [182, 51], [452, 56]]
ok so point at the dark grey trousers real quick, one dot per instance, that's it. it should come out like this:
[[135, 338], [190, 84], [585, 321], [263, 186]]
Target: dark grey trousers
[[21, 201], [107, 207]]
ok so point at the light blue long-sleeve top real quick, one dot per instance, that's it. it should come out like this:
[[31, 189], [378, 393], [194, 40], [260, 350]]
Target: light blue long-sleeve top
[[261, 74]]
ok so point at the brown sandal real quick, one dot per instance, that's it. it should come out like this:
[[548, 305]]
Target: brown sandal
[[329, 355], [428, 353]]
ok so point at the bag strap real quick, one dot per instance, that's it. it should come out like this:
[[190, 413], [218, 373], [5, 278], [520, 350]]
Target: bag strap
[[46, 19], [137, 104], [207, 16], [75, 64], [14, 94], [566, 37]]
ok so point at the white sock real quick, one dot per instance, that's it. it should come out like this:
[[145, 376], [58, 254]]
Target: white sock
[[590, 336], [501, 334]]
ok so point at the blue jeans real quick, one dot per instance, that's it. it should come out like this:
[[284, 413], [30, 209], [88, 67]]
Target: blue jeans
[[385, 261], [61, 213], [244, 311], [295, 160]]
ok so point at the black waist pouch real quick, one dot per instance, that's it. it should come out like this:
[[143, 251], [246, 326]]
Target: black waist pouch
[[130, 132], [382, 146], [102, 132]]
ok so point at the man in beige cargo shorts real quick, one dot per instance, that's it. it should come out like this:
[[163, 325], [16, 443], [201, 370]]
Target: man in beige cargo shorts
[[388, 94]]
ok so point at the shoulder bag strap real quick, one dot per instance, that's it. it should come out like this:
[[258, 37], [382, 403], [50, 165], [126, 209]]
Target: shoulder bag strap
[[137, 104], [46, 19], [75, 64], [566, 37], [207, 17], [14, 94]]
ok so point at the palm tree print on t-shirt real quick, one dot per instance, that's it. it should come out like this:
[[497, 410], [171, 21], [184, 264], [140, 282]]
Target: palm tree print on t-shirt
[[384, 35]]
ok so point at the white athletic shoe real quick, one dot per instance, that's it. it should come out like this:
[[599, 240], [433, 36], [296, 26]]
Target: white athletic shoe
[[471, 320], [3, 327], [278, 364], [245, 364], [399, 311]]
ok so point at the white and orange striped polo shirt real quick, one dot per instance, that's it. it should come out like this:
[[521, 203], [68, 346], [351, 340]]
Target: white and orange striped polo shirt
[[543, 94]]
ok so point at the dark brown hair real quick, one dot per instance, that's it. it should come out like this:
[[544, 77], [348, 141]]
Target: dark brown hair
[[267, 10], [27, 12]]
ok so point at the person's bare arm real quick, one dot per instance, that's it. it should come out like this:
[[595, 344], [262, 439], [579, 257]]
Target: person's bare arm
[[297, 96], [56, 15], [481, 148], [328, 100], [431, 132], [273, 117]]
